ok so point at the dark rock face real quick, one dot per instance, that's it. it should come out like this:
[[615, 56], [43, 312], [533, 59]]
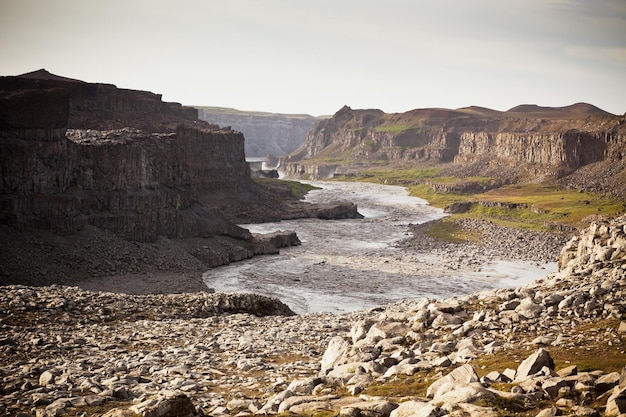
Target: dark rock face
[[98, 106], [90, 163], [78, 157], [136, 184]]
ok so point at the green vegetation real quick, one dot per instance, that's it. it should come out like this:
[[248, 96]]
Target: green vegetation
[[403, 385], [538, 206], [399, 176], [548, 203], [448, 231], [395, 129]]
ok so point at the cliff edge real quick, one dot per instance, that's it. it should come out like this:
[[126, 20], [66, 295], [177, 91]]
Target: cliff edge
[[91, 164]]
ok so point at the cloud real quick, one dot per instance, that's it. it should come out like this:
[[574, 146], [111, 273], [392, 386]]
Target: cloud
[[611, 56]]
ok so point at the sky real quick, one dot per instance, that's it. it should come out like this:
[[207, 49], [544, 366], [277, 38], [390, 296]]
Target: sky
[[315, 56]]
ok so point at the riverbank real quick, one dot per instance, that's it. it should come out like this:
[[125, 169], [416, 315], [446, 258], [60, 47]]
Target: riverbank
[[444, 258], [387, 256], [555, 346], [343, 265]]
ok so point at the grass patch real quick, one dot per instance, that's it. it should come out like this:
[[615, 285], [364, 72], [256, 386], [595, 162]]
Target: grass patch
[[598, 352], [440, 200], [403, 385], [548, 203], [395, 129], [448, 231], [542, 205], [393, 177]]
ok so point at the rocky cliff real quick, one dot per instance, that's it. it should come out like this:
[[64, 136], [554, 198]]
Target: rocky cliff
[[94, 105], [523, 142], [78, 157], [161, 180], [266, 133]]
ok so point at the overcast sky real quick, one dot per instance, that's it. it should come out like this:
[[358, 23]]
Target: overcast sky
[[314, 56]]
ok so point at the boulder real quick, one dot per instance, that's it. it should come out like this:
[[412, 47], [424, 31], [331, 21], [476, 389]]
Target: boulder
[[533, 364], [336, 353], [47, 378], [360, 329], [552, 386], [167, 405], [616, 403], [607, 382], [380, 408], [529, 309], [549, 412], [413, 408], [273, 403], [463, 374], [295, 400], [455, 392], [304, 386]]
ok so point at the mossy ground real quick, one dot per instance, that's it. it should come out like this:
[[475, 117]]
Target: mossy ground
[[540, 206], [448, 231]]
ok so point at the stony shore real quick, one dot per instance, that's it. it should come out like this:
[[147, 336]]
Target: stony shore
[[555, 346]]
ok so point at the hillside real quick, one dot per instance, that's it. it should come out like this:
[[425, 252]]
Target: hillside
[[525, 143], [266, 133]]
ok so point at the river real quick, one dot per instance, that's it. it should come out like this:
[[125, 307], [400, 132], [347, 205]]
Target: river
[[347, 265]]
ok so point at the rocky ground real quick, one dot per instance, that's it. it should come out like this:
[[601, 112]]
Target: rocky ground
[[492, 242], [554, 347]]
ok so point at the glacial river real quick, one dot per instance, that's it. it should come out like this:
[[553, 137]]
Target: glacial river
[[347, 265]]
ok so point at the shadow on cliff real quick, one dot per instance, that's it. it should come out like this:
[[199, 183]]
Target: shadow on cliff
[[100, 181]]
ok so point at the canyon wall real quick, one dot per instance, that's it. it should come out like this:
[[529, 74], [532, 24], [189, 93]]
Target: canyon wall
[[77, 154], [525, 141], [135, 184], [266, 133]]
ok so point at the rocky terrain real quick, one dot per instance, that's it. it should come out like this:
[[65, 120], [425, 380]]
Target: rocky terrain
[[554, 347], [521, 144], [266, 133]]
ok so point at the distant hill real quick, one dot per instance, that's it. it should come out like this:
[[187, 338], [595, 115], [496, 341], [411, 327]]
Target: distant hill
[[265, 133], [578, 109]]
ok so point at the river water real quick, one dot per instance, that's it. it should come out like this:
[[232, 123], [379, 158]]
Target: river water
[[347, 265]]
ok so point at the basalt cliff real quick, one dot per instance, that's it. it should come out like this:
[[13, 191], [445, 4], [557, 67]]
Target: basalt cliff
[[91, 163], [266, 133], [579, 144]]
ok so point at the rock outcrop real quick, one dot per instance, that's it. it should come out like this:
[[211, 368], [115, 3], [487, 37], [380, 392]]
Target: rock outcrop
[[515, 144], [266, 133]]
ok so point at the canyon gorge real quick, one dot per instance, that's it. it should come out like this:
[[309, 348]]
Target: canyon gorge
[[266, 133], [107, 185]]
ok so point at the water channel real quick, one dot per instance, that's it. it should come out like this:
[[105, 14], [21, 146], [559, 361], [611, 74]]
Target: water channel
[[347, 265]]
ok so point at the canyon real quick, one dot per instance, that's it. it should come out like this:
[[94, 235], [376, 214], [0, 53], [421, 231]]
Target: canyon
[[579, 145], [266, 133], [100, 182]]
